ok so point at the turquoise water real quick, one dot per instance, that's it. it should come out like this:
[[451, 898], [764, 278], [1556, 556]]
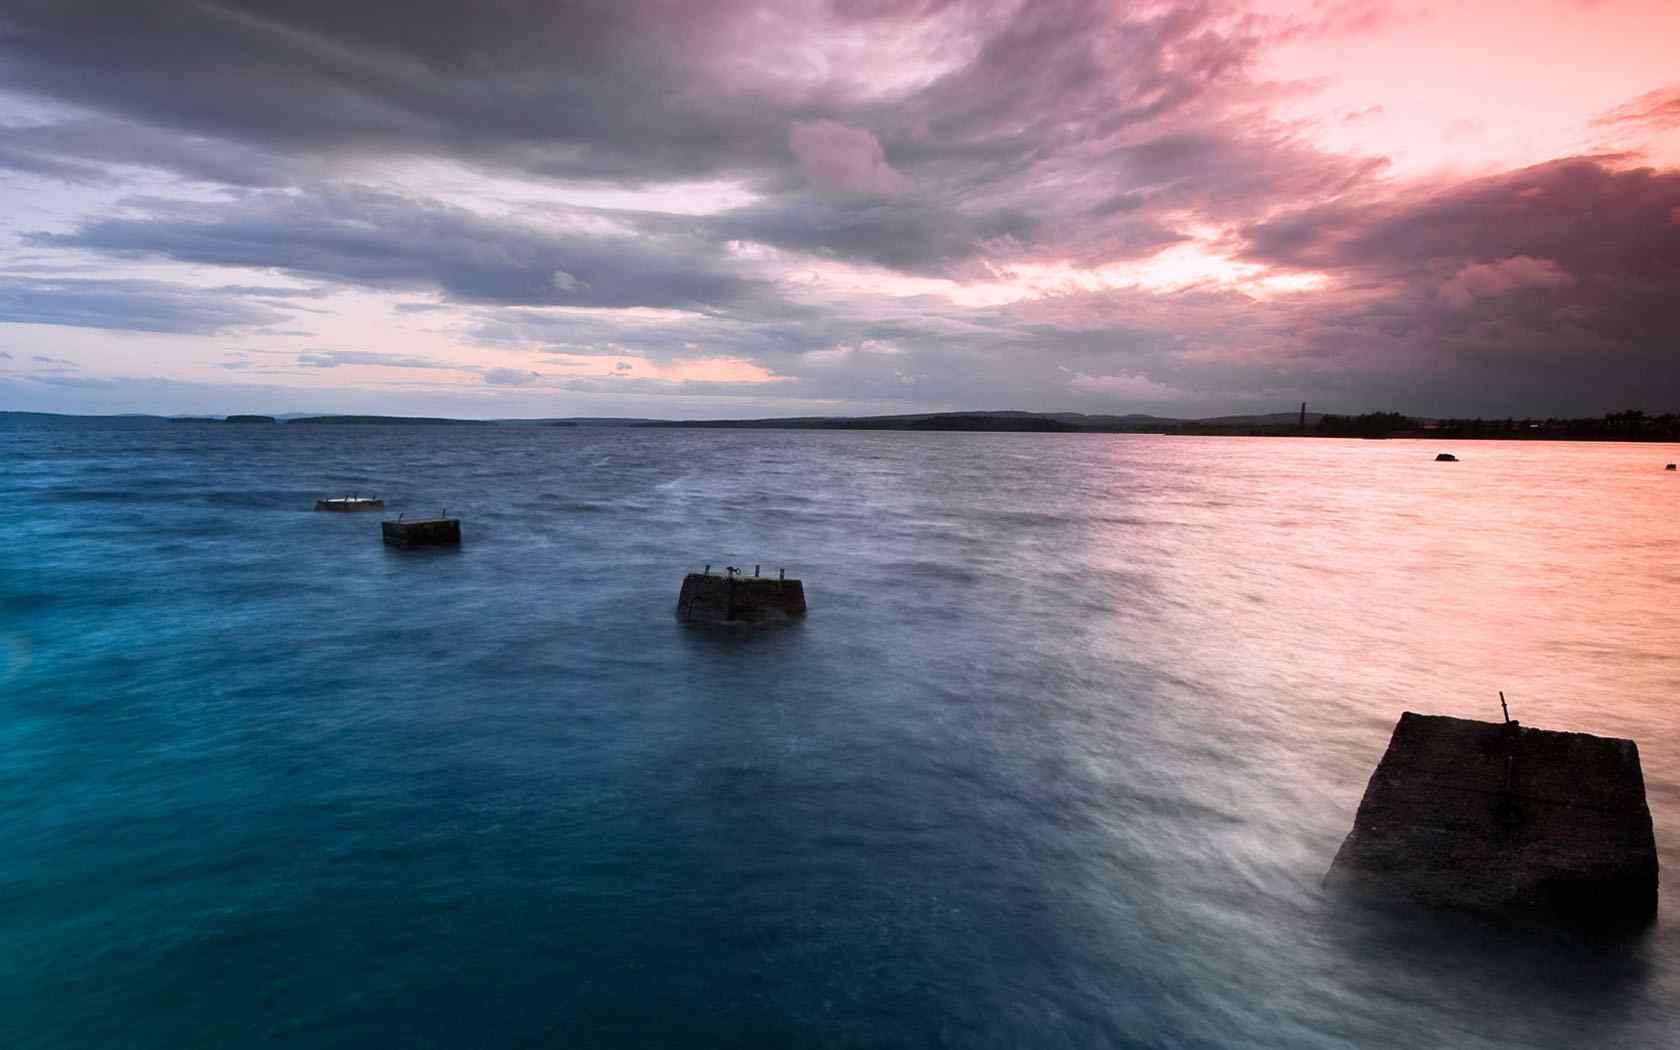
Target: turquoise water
[[1072, 731]]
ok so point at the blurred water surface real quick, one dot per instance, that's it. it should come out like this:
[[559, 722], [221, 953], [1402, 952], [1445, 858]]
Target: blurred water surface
[[1072, 731]]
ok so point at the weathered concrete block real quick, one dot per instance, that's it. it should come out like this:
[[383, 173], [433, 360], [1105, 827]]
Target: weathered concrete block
[[738, 599], [1446, 457], [420, 532], [347, 503], [1501, 818]]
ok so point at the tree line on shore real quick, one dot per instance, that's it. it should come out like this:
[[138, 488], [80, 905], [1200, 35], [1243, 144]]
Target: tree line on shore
[[1630, 425]]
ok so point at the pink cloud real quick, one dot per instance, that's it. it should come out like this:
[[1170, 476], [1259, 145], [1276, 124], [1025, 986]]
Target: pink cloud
[[1486, 280], [1655, 110], [1348, 17], [836, 157]]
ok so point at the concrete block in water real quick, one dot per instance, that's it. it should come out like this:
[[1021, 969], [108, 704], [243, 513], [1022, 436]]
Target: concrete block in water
[[349, 503], [1502, 818], [421, 532], [706, 598], [1446, 457]]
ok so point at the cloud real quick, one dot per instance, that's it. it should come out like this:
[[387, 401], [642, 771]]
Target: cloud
[[842, 354], [898, 232], [129, 305], [511, 377], [360, 236], [565, 282], [1653, 111], [1125, 388], [1344, 18], [263, 291], [836, 157], [336, 358], [93, 150], [1484, 280]]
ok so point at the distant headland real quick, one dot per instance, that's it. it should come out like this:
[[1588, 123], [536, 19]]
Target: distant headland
[[377, 420], [1629, 425]]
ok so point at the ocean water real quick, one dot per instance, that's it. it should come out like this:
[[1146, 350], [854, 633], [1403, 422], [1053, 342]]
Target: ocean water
[[1058, 758]]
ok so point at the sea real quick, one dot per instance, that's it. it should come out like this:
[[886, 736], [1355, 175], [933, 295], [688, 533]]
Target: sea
[[1058, 758]]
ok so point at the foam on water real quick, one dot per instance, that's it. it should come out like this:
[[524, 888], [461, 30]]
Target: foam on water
[[1058, 758]]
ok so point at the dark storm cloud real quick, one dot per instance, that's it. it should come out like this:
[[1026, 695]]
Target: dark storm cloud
[[1595, 249], [272, 93], [590, 88], [360, 236], [1589, 214], [1552, 285], [136, 305]]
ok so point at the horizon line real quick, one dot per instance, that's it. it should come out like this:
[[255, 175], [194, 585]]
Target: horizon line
[[283, 417]]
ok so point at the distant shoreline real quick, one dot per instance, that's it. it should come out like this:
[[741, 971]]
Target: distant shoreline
[[1634, 427]]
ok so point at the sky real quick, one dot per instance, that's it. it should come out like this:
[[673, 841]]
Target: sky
[[690, 209]]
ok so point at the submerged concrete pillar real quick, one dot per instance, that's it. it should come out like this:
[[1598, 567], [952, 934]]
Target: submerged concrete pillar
[[350, 503], [733, 598], [1499, 817], [422, 532]]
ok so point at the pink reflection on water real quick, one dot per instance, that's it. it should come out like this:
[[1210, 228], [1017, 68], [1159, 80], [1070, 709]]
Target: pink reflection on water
[[1310, 591]]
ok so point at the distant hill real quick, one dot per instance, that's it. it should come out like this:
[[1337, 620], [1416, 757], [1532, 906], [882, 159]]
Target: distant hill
[[1020, 424], [990, 420], [404, 420], [1273, 419], [1039, 422], [124, 417]]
